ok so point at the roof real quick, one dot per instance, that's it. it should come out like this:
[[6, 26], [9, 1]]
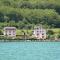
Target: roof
[[9, 28]]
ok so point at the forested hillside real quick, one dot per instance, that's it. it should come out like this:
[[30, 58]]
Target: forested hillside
[[28, 13]]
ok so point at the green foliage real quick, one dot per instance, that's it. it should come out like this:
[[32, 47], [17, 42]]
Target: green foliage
[[1, 33], [28, 13], [58, 35], [50, 32], [11, 23]]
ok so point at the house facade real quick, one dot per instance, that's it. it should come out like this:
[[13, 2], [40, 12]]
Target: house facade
[[10, 31], [39, 33]]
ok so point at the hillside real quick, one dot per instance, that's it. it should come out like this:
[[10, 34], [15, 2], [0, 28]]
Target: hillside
[[28, 13]]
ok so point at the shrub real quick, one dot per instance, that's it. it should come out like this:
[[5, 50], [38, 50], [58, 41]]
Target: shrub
[[1, 33]]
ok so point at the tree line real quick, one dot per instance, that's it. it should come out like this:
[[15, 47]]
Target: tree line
[[28, 13]]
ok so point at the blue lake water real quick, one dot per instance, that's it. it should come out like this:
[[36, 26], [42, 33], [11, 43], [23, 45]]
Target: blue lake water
[[29, 50]]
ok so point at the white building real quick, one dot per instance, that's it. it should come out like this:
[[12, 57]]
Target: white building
[[39, 33], [10, 31]]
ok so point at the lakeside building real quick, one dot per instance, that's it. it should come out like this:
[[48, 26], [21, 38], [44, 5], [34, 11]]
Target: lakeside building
[[10, 31], [39, 32]]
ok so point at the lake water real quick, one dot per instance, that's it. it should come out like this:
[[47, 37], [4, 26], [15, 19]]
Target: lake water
[[29, 50]]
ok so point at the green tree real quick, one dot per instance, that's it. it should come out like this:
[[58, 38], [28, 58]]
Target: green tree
[[11, 23], [1, 33]]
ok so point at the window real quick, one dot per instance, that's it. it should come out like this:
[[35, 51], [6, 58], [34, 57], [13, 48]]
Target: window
[[37, 31], [13, 34], [42, 34], [37, 34], [13, 31], [40, 31], [37, 28], [9, 31], [9, 34]]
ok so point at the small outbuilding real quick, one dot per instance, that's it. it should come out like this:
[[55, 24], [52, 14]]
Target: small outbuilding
[[10, 31]]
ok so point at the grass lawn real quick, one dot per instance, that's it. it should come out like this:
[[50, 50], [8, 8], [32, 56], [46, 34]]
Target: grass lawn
[[21, 32], [56, 30]]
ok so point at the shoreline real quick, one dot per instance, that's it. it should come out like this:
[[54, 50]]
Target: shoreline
[[27, 40]]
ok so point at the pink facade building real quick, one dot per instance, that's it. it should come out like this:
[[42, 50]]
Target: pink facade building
[[39, 33], [10, 31]]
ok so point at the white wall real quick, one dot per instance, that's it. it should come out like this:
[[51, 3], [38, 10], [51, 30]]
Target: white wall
[[12, 33], [43, 31]]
